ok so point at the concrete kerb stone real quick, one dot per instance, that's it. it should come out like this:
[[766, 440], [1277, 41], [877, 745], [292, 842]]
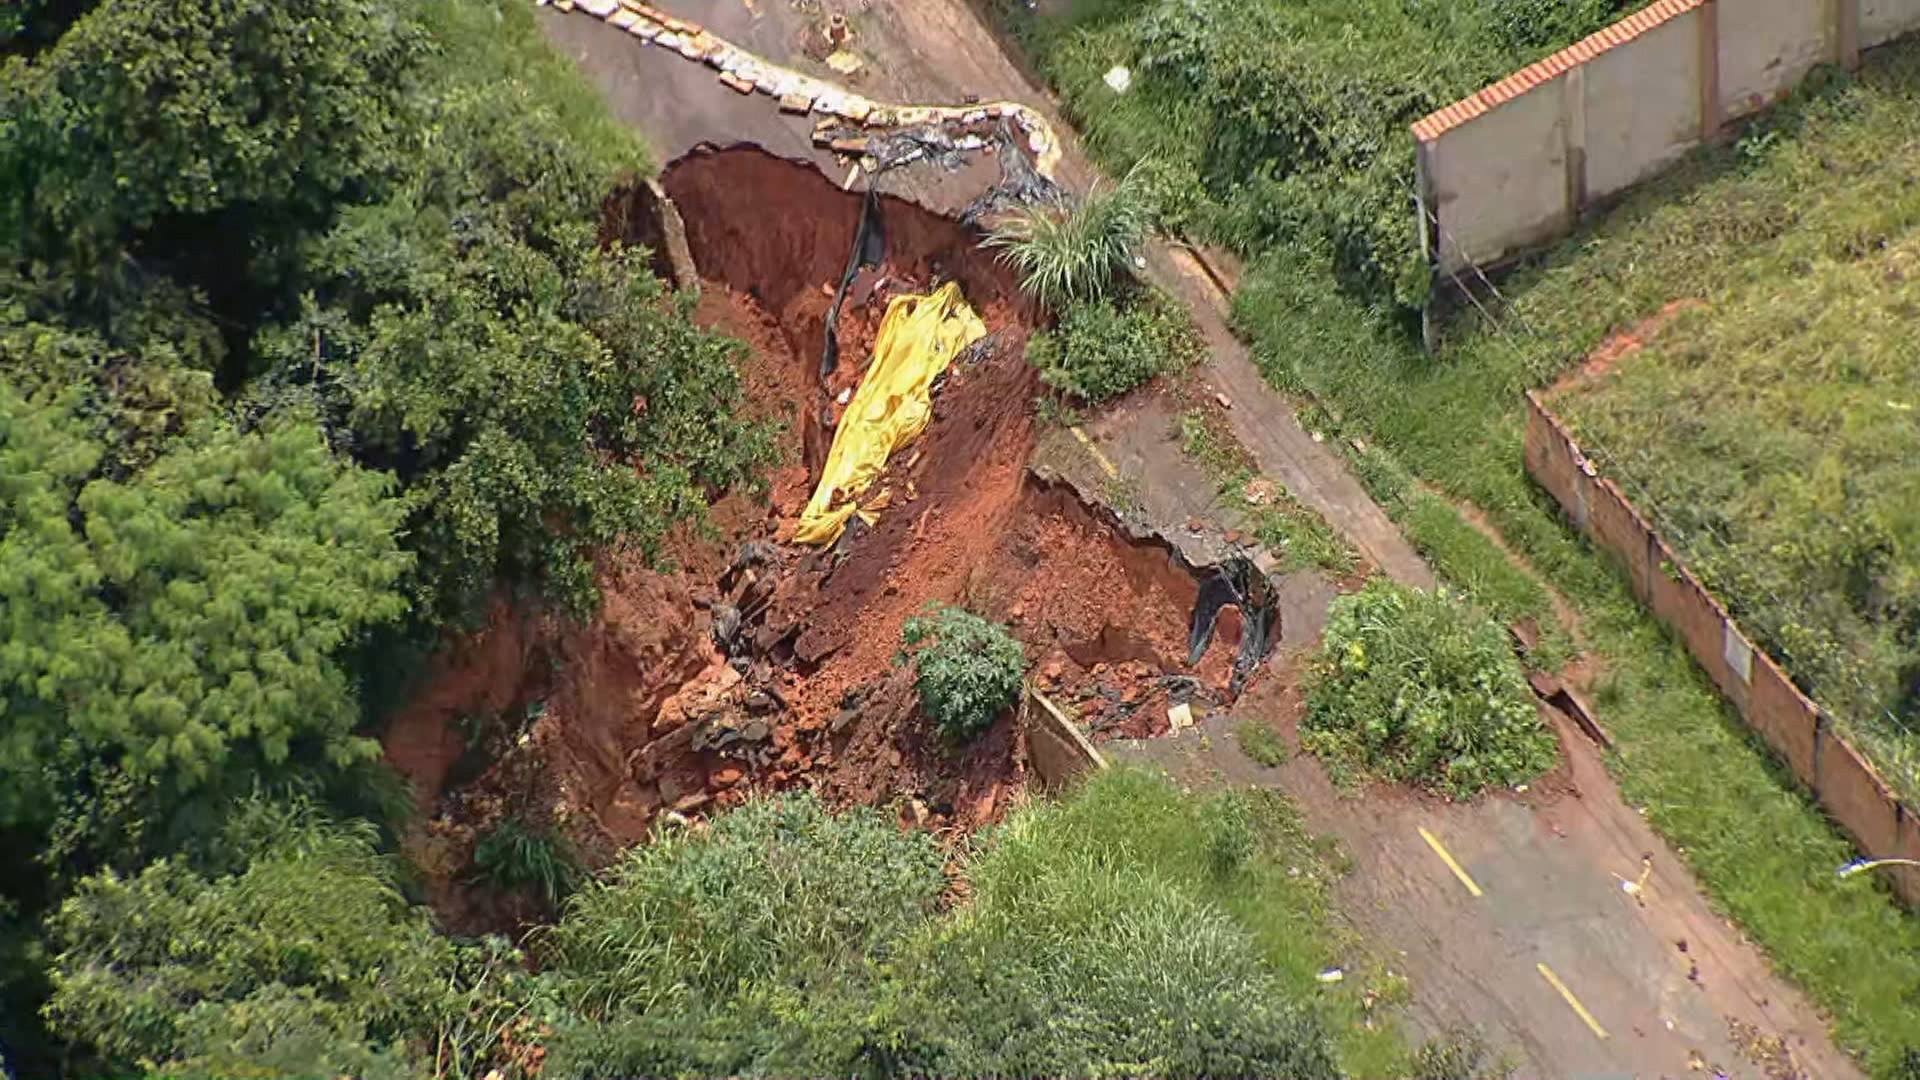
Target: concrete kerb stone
[[1058, 750]]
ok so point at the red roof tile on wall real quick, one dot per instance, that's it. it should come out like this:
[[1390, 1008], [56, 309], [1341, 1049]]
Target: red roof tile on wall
[[1640, 22]]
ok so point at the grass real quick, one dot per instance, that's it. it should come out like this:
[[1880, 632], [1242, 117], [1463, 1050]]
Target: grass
[[1820, 178], [1260, 742], [1770, 433], [1296, 535], [1280, 893]]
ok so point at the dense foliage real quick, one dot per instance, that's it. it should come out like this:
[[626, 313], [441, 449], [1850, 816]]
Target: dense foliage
[[1101, 349], [308, 342], [293, 952], [965, 669], [189, 617], [1268, 125], [1418, 686]]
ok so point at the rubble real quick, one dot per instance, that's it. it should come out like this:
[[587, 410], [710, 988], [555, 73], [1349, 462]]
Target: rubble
[[746, 73]]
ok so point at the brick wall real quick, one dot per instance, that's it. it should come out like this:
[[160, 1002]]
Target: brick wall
[[1842, 781], [1513, 166]]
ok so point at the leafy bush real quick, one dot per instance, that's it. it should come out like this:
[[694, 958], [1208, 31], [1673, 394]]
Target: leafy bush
[[301, 945], [1073, 253], [966, 669], [1419, 687], [514, 855], [1101, 349], [751, 946]]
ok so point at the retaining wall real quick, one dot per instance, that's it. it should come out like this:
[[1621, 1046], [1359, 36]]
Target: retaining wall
[[1842, 780], [1512, 167]]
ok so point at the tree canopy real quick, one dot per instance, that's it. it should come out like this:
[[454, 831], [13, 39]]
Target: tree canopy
[[308, 344]]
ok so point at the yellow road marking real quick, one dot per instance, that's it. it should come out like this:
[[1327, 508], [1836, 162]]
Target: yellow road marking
[[1554, 981], [1105, 465], [1458, 870]]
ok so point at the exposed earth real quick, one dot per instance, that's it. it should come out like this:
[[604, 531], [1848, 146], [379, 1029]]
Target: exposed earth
[[754, 664]]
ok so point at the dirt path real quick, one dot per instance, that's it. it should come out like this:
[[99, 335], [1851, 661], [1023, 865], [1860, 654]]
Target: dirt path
[[1545, 865]]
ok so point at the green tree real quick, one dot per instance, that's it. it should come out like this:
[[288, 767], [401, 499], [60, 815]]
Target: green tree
[[145, 109], [544, 396], [293, 953], [188, 615]]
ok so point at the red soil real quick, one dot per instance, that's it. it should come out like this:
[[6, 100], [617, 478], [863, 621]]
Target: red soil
[[640, 711]]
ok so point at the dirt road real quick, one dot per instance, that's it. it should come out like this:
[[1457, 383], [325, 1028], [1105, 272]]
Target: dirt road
[[1544, 950]]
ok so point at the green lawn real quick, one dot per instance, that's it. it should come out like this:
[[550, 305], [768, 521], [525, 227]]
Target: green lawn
[[1824, 181]]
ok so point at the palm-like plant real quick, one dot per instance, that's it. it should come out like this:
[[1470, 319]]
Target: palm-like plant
[[1072, 254]]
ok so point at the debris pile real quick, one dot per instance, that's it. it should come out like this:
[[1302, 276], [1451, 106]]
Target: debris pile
[[802, 94]]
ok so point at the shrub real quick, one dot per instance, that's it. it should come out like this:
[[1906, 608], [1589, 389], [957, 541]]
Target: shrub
[[749, 947], [1103, 940], [1101, 349], [966, 669], [515, 856], [1072, 253], [1419, 687]]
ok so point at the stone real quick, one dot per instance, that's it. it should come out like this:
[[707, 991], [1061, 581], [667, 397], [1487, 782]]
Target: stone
[[755, 730], [725, 777], [736, 83], [796, 103]]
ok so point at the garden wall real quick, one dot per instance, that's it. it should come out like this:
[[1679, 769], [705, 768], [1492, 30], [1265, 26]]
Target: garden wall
[[1845, 785], [1513, 166]]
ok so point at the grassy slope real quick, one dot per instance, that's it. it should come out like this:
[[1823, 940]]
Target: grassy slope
[[1766, 854], [1772, 434], [1129, 822]]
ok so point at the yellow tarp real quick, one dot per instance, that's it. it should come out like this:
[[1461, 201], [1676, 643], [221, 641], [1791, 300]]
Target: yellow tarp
[[918, 339]]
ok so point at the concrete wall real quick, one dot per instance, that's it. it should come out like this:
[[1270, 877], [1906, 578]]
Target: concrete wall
[[1514, 166], [1058, 751], [1842, 780], [1883, 20], [1642, 106]]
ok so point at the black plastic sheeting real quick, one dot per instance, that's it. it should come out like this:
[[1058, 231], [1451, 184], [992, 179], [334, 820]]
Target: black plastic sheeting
[[1236, 582], [869, 249]]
